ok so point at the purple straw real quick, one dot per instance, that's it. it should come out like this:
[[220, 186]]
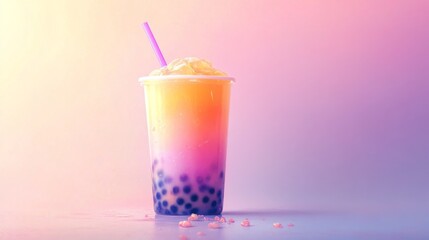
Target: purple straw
[[154, 44]]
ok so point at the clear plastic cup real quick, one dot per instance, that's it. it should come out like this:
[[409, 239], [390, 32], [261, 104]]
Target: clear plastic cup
[[187, 119]]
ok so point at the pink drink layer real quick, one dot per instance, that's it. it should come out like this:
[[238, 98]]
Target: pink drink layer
[[188, 123]]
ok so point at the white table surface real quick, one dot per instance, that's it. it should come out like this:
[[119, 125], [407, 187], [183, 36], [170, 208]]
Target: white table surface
[[140, 224]]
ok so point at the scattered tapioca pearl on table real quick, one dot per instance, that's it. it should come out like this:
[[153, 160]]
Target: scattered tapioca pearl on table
[[185, 224], [193, 217], [219, 222], [183, 237], [214, 225], [277, 225], [245, 223]]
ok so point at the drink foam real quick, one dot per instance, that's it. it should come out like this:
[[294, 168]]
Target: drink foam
[[188, 66]]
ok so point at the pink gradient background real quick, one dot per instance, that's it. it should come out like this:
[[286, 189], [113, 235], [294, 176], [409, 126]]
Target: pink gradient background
[[330, 108]]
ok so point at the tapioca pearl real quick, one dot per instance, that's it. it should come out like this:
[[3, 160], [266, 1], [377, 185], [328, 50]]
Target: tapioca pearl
[[195, 210], [158, 195], [159, 207], [187, 189], [168, 179], [200, 180], [167, 212], [214, 203], [180, 201], [245, 223], [185, 224], [164, 203], [183, 177], [193, 217], [194, 197], [219, 193], [164, 191], [160, 184], [188, 206], [221, 174], [160, 173], [185, 212], [206, 199], [176, 190], [173, 208], [277, 225], [212, 211], [202, 188], [214, 225], [211, 190]]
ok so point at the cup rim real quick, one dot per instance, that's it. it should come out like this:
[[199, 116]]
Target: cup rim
[[195, 77]]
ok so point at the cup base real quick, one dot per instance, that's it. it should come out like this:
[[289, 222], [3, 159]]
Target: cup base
[[172, 212]]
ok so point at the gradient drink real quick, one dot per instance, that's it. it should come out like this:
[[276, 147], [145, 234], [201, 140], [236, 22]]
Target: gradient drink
[[187, 104]]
